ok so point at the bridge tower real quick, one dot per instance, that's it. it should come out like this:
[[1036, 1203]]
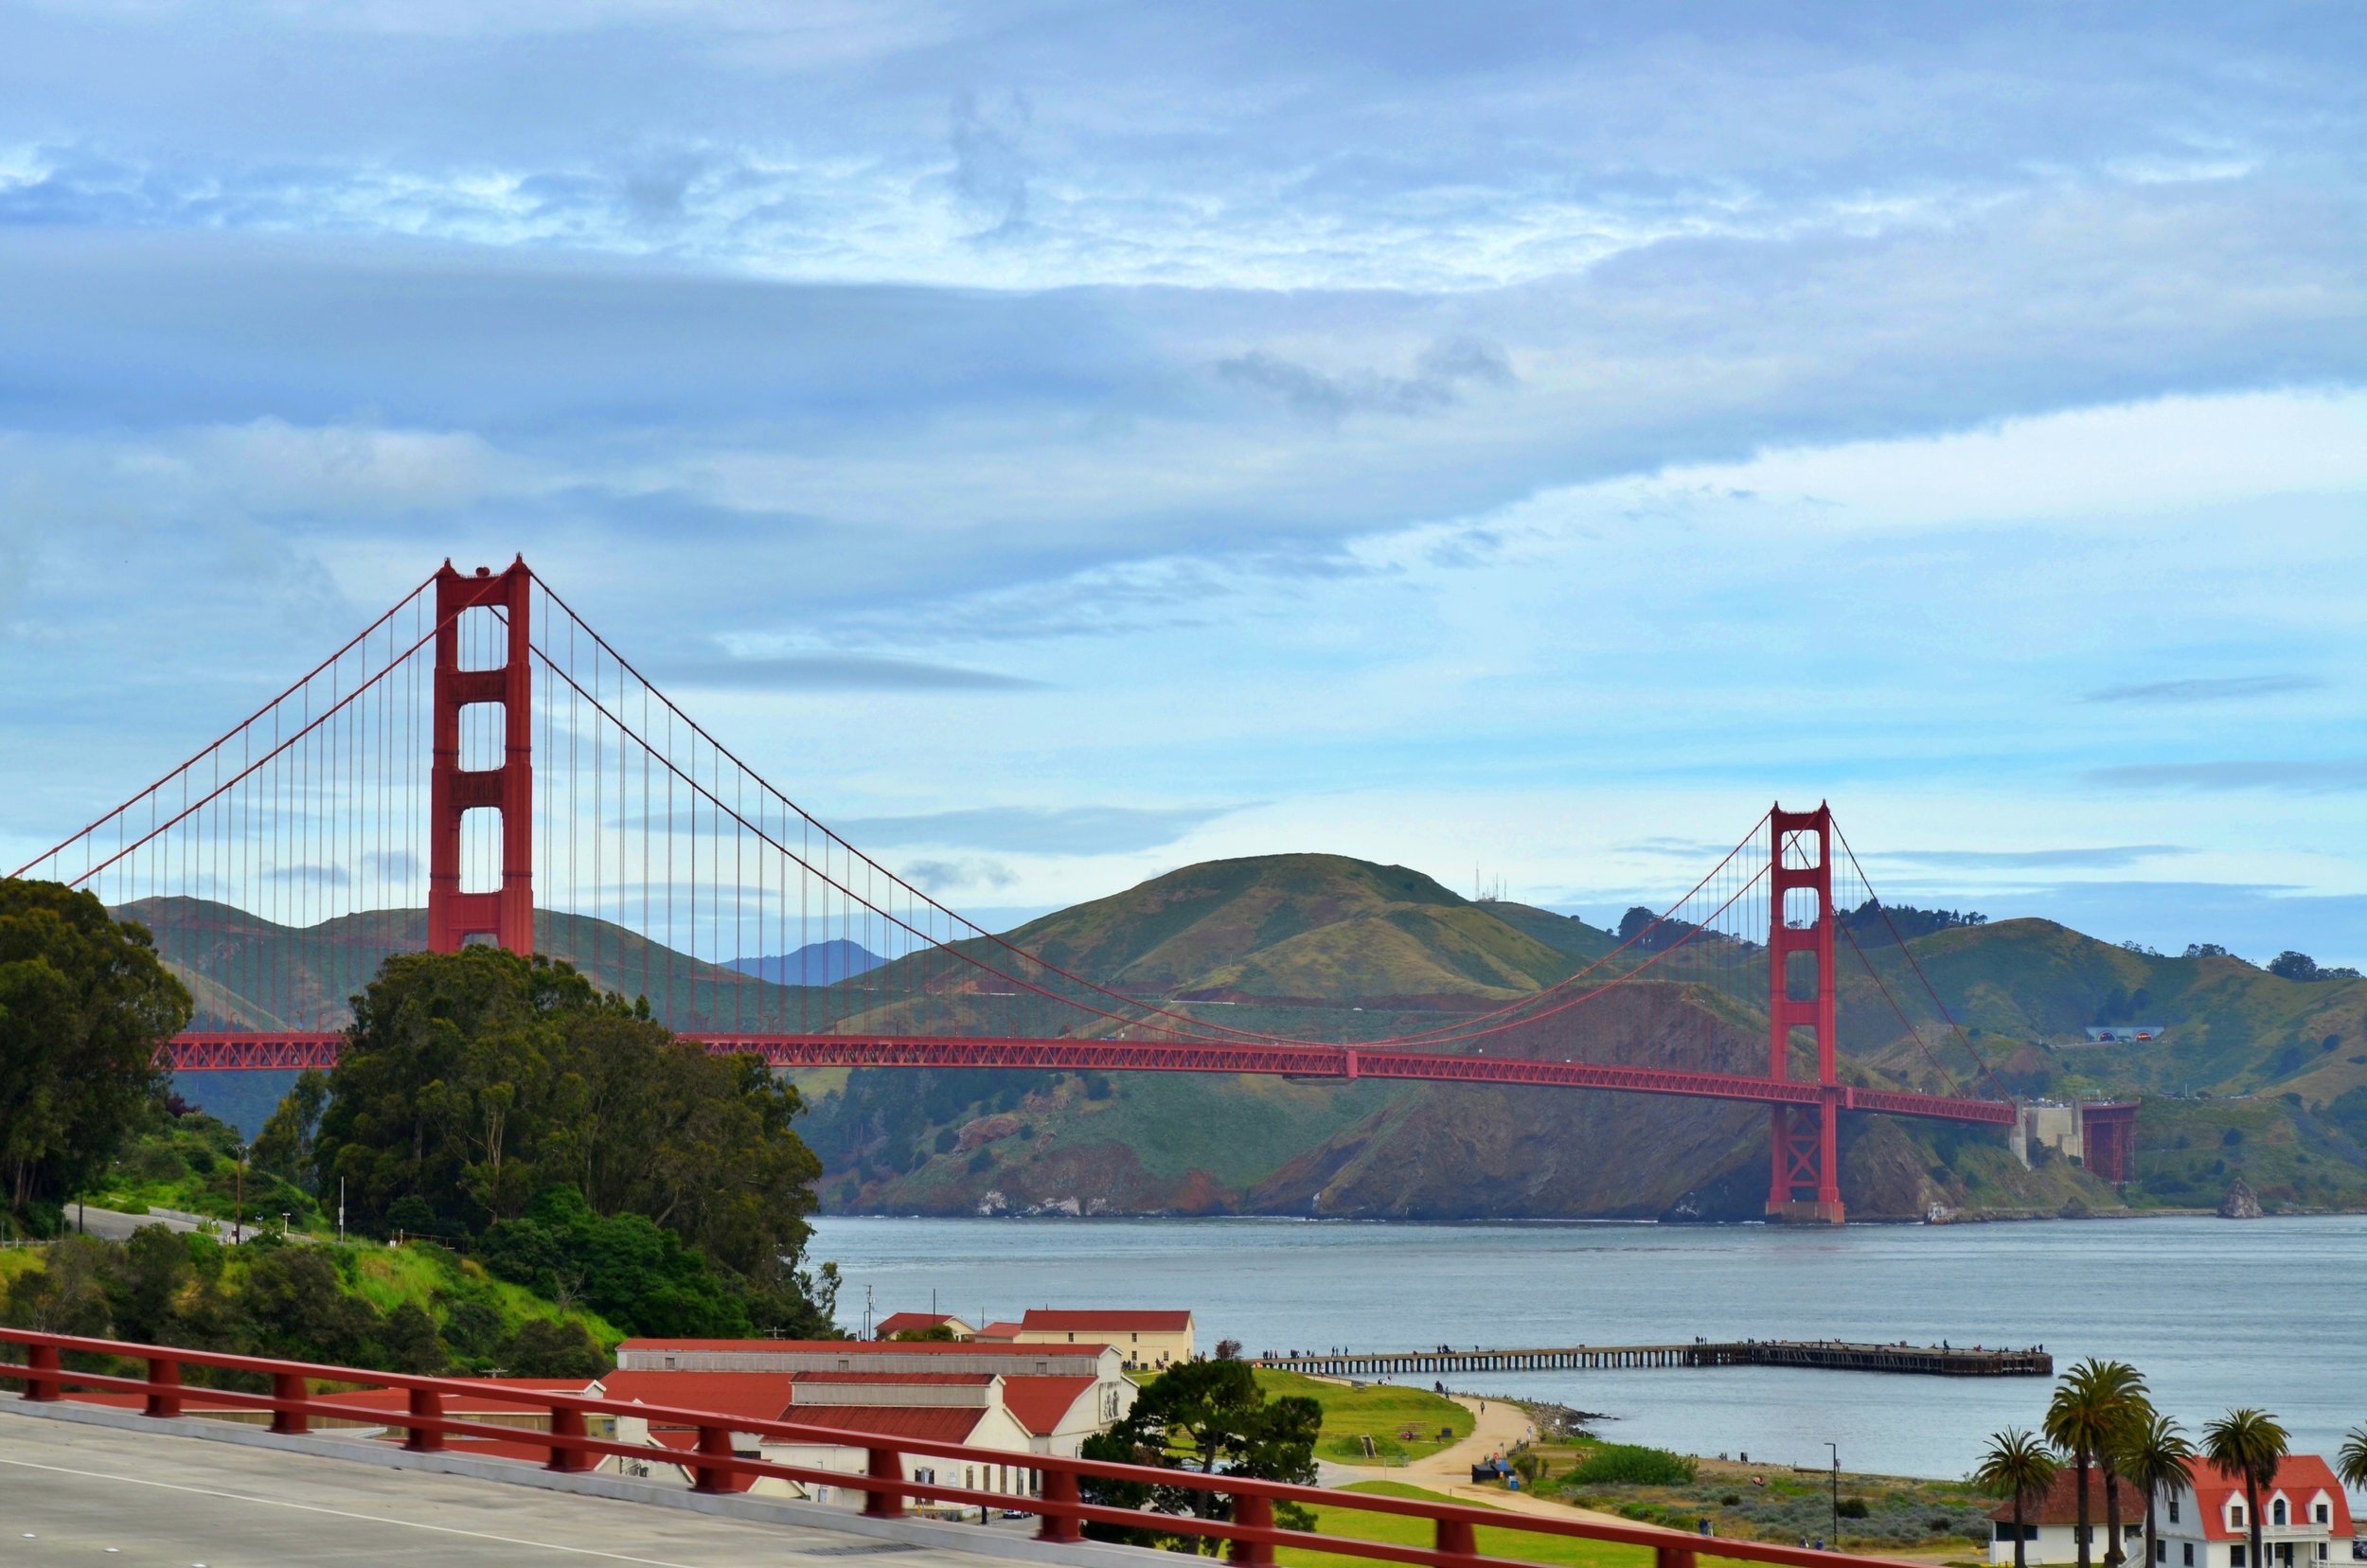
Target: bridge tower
[[504, 914], [1804, 1180]]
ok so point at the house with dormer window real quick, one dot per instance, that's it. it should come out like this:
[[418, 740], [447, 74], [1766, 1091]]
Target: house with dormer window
[[2206, 1521]]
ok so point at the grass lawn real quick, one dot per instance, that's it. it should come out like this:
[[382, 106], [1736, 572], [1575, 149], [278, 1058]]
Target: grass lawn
[[1398, 1530], [1379, 1411]]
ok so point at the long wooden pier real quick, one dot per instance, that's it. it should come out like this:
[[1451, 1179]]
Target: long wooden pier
[[1827, 1355]]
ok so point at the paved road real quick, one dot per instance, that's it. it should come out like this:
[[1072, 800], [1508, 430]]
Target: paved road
[[114, 1225], [69, 1494]]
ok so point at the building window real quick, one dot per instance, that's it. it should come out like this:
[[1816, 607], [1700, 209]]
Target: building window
[[2187, 1550], [2235, 1519], [2323, 1518], [2173, 1507], [2236, 1557], [2161, 1551], [2276, 1511]]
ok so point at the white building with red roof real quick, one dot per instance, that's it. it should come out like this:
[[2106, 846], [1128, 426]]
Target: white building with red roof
[[1049, 1359], [1144, 1338], [2304, 1518], [2050, 1522], [1020, 1399]]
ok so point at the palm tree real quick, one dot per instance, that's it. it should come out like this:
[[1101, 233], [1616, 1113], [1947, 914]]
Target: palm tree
[[2246, 1444], [2351, 1464], [2016, 1465], [2096, 1403], [2154, 1456]]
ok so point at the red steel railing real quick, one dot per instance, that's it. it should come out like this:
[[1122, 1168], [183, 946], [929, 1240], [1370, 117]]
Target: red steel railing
[[714, 1467]]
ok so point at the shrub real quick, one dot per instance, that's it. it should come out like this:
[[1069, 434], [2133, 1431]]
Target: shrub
[[1852, 1507], [1632, 1464]]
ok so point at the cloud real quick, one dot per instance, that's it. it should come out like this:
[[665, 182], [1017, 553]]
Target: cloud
[[2215, 689], [316, 876], [1438, 379], [942, 876], [2333, 776], [396, 865], [1054, 831], [2100, 857], [990, 169], [838, 673]]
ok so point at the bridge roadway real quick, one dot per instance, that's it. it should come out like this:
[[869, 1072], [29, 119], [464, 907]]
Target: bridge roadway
[[1827, 1354], [200, 1052], [80, 1493]]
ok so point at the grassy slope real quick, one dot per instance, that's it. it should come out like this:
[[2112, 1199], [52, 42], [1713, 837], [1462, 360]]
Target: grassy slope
[[1397, 1529], [1316, 926], [1378, 1411], [432, 1279]]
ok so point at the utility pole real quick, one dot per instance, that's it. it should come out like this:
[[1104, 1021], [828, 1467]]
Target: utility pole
[[341, 1210], [1836, 1448]]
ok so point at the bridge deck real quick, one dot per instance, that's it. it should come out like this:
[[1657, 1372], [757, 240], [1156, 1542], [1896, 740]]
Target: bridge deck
[[70, 1489], [1827, 1354]]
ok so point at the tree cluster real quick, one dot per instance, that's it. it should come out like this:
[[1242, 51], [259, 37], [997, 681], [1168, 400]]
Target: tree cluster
[[2290, 965], [1868, 925], [1210, 1415], [276, 1298], [506, 1104], [84, 1003]]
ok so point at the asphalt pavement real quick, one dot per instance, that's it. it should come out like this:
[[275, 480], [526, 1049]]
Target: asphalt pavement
[[81, 1495]]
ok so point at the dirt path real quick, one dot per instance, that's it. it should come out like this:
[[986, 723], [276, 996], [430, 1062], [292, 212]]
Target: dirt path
[[1495, 1428]]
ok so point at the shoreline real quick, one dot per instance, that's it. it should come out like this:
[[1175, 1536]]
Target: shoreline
[[1981, 1218]]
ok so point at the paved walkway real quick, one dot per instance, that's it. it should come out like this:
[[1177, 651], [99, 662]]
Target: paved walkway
[[1494, 1430], [81, 1494]]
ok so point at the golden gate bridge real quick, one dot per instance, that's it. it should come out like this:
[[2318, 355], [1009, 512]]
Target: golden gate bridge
[[480, 765]]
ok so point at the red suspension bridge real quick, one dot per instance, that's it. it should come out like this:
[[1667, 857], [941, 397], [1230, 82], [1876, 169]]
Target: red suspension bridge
[[480, 765]]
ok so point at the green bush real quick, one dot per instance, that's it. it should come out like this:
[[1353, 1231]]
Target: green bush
[[1631, 1464]]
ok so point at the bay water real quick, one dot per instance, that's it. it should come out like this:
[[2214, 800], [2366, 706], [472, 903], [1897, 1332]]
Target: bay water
[[2214, 1314]]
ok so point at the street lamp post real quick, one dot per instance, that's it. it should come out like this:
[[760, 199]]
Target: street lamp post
[[1836, 1448]]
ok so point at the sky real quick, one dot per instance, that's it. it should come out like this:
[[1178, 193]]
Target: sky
[[1062, 442]]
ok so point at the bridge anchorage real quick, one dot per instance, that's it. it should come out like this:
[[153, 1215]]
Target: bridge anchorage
[[568, 806]]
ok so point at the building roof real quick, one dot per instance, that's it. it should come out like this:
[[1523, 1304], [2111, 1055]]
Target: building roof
[[934, 1423], [1039, 1404], [907, 1323], [1060, 1320], [2300, 1478], [2060, 1505], [486, 1404], [753, 1395], [843, 1348], [899, 1379], [1005, 1331]]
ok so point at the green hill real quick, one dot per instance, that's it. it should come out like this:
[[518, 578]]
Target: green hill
[[1296, 927], [2253, 1074]]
